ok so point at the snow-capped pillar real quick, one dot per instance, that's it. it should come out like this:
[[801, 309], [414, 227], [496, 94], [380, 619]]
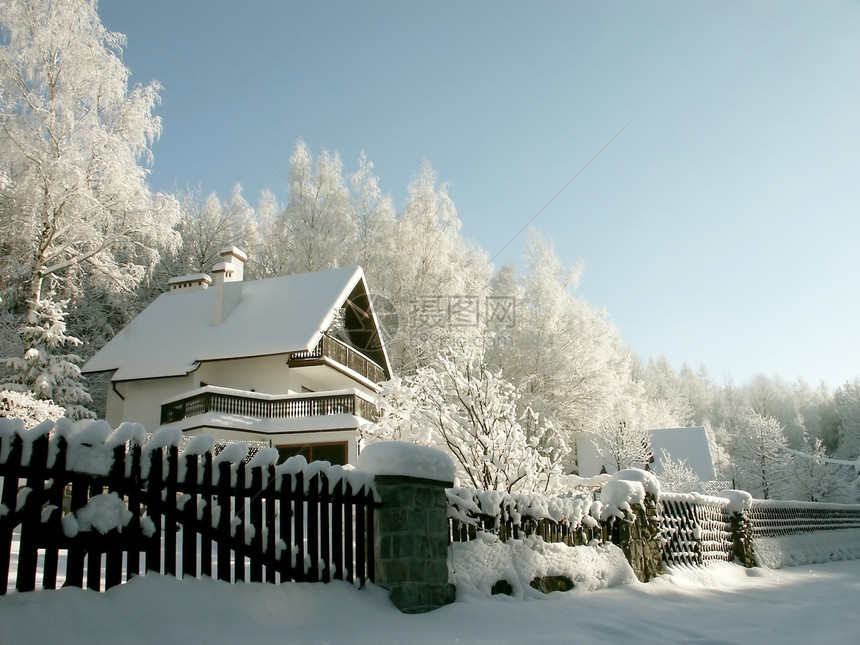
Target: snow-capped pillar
[[411, 523], [631, 517], [738, 510]]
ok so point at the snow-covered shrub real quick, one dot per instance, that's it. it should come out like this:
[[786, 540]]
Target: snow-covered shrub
[[677, 476], [479, 565], [460, 405], [24, 406]]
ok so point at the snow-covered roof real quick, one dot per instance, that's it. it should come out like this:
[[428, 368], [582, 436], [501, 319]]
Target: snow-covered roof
[[272, 316], [681, 443], [690, 444]]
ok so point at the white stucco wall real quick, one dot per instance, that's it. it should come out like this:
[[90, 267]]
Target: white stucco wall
[[143, 399]]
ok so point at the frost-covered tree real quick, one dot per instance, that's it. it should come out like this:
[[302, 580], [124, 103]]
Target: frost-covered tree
[[664, 386], [847, 402], [622, 444], [45, 370], [268, 246], [317, 220], [429, 270], [207, 226], [74, 202], [568, 356], [816, 478], [461, 406], [375, 220], [676, 476], [761, 461]]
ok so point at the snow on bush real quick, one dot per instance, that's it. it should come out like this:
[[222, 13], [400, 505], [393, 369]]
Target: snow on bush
[[466, 504], [462, 406], [478, 565], [24, 406]]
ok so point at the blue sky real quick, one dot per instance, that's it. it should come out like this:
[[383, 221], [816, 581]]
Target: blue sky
[[721, 227]]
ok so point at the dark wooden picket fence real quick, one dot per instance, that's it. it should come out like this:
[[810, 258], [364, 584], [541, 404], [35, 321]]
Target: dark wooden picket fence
[[95, 515]]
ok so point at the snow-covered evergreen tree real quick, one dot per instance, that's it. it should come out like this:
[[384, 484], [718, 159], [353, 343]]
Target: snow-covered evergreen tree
[[45, 370]]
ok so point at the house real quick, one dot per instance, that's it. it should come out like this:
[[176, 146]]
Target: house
[[689, 444], [293, 361]]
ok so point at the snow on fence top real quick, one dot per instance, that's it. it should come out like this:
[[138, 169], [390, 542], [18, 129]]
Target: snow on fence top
[[719, 501], [91, 450]]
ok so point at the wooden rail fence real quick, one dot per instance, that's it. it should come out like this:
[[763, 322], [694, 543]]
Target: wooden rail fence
[[773, 518], [695, 529]]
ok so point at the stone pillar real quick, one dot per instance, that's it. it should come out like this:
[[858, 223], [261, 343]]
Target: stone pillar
[[738, 510], [742, 539], [411, 543], [411, 523], [639, 539]]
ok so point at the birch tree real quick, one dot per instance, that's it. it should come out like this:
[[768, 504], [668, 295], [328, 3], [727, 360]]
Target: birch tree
[[761, 460], [74, 139], [317, 219]]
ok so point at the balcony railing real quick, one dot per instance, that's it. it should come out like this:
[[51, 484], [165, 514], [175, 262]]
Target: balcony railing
[[289, 406], [339, 352]]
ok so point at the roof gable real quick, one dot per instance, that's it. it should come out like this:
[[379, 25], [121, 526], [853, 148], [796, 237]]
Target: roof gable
[[272, 316], [690, 444]]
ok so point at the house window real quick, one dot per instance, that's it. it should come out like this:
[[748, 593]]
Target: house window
[[335, 453]]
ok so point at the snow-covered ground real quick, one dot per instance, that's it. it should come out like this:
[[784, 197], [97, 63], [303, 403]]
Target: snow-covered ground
[[718, 605]]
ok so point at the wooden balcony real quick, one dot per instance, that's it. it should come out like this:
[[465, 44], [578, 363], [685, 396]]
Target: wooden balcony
[[263, 406], [342, 354]]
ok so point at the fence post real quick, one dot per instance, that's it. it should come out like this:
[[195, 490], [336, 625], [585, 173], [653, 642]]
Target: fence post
[[639, 538], [411, 523], [742, 538], [738, 510]]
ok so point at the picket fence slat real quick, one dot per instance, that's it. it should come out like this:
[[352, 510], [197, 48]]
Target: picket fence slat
[[206, 517], [189, 510], [271, 527]]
